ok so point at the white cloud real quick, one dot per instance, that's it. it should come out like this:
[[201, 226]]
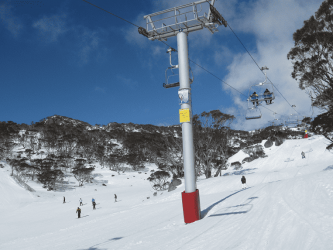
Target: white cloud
[[50, 28], [11, 22], [273, 24], [89, 42]]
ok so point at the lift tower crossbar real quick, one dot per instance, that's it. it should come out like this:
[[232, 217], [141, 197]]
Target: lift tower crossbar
[[188, 18], [179, 21]]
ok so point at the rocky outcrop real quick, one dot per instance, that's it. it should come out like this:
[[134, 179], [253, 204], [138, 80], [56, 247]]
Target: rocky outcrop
[[174, 183]]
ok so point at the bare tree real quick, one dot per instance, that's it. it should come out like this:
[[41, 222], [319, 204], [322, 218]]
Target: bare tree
[[211, 140]]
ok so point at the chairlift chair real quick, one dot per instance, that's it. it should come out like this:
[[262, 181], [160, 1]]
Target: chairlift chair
[[275, 121], [268, 97], [169, 73], [292, 120], [253, 112]]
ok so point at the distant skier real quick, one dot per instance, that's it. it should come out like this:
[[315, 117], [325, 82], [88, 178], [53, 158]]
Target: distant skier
[[93, 203], [81, 204], [243, 180], [303, 155], [64, 200], [78, 211], [115, 198]]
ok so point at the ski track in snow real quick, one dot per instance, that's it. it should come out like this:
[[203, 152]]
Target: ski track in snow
[[287, 205]]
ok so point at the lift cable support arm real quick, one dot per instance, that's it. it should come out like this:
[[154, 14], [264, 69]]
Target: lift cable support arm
[[187, 18]]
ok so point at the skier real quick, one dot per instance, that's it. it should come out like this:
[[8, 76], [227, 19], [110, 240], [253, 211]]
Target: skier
[[254, 98], [115, 198], [78, 211], [243, 180], [303, 155], [64, 200], [93, 203], [267, 95], [81, 204]]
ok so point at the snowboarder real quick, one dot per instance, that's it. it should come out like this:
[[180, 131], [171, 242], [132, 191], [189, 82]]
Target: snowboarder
[[303, 155], [78, 211], [243, 180], [115, 198], [254, 98], [81, 204], [64, 200]]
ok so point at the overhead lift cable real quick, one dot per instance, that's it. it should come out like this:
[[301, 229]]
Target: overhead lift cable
[[143, 31]]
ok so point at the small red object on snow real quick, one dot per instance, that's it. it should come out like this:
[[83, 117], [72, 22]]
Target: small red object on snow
[[191, 206], [306, 136]]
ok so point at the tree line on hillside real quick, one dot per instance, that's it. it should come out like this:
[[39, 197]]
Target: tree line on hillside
[[52, 149]]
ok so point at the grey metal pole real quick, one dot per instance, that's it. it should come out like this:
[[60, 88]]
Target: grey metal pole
[[187, 131]]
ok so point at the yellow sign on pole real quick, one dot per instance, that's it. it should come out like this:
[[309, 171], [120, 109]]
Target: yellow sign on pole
[[184, 115]]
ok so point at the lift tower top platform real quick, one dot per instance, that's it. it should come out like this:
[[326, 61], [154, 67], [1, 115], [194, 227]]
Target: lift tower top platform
[[187, 18]]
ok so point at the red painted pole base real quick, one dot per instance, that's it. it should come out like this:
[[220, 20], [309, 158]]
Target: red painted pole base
[[191, 206]]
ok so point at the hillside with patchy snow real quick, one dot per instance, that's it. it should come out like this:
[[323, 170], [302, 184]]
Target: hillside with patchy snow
[[288, 205]]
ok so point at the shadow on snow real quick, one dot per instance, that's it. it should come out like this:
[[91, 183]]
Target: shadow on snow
[[247, 206], [96, 248], [205, 212]]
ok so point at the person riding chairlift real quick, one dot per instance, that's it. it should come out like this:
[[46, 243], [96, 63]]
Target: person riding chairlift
[[254, 98], [267, 95]]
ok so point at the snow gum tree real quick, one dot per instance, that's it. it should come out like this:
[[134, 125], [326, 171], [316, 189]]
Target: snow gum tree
[[159, 180], [312, 58], [211, 138], [312, 55], [81, 173]]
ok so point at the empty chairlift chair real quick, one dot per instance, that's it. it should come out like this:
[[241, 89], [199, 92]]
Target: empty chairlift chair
[[253, 112], [172, 75]]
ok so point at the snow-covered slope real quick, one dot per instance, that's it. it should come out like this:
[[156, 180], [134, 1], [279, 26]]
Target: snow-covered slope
[[288, 205]]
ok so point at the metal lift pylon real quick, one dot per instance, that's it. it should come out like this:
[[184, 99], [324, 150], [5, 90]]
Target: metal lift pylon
[[179, 21]]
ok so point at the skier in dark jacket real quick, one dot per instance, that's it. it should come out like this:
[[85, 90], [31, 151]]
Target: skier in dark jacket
[[268, 96], [64, 200], [243, 180], [115, 198], [78, 211], [303, 155], [93, 203]]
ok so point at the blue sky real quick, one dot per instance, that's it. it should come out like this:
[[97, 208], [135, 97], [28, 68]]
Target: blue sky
[[72, 59]]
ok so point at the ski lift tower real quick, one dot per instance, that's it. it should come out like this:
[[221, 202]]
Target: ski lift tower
[[179, 21]]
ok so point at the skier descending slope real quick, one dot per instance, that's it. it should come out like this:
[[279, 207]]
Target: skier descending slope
[[78, 211], [115, 198], [303, 155], [81, 204], [243, 180], [93, 203]]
